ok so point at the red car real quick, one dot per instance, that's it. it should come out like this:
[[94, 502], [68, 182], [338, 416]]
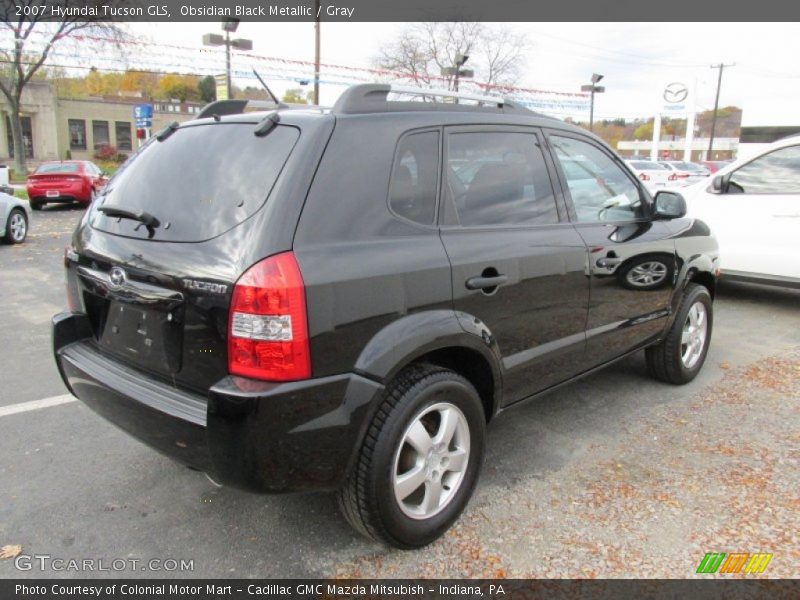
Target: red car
[[65, 181]]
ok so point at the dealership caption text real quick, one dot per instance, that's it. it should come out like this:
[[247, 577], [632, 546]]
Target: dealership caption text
[[106, 11], [303, 589]]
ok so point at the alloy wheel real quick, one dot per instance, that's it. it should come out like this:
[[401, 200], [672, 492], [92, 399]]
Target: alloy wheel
[[431, 460], [693, 339], [18, 227]]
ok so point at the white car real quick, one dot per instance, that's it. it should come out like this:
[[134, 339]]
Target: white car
[[14, 219], [653, 175], [685, 173], [753, 209]]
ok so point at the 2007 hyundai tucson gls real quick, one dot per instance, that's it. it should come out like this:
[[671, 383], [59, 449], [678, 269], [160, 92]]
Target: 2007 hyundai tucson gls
[[342, 299]]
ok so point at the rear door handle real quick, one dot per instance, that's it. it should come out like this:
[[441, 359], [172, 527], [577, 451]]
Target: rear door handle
[[606, 263], [482, 283]]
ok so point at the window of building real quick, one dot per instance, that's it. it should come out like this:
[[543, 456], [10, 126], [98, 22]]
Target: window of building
[[499, 179], [412, 191], [599, 188], [123, 132], [77, 134], [27, 137], [100, 133], [775, 173]]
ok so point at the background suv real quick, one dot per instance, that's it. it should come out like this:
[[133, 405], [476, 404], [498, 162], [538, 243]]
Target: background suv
[[342, 299]]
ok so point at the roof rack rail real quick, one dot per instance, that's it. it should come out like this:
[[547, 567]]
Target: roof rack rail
[[373, 97], [235, 107]]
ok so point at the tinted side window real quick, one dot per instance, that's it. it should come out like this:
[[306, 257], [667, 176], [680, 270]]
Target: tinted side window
[[412, 191], [775, 173], [499, 179], [599, 188]]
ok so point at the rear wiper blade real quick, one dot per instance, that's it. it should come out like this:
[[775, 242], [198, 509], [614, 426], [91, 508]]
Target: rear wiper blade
[[143, 217]]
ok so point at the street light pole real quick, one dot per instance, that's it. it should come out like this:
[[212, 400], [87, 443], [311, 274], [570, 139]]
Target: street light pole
[[721, 67], [214, 39], [593, 88], [456, 72]]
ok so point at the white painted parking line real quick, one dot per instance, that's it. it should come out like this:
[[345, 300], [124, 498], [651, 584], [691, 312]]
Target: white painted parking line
[[22, 407]]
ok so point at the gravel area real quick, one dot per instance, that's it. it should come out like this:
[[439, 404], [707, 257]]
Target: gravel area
[[713, 472]]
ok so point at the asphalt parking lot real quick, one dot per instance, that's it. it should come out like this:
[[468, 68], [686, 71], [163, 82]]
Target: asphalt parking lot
[[614, 476]]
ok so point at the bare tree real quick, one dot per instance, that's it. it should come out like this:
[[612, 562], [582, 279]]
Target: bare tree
[[422, 50], [28, 56]]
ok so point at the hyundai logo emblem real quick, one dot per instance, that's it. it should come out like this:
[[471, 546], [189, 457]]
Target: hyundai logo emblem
[[675, 92], [117, 277]]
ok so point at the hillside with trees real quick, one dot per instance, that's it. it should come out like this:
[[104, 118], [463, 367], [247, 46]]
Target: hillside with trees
[[729, 120]]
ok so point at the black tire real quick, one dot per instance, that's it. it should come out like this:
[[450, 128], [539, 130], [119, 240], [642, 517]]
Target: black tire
[[664, 361], [37, 204], [367, 500], [10, 237]]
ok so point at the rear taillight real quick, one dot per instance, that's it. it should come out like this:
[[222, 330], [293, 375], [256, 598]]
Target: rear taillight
[[644, 177], [268, 327]]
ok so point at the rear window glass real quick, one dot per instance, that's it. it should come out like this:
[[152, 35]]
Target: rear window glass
[[199, 182], [646, 166], [57, 168]]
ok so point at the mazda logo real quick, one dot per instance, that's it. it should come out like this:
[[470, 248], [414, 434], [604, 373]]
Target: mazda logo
[[675, 92], [117, 277]]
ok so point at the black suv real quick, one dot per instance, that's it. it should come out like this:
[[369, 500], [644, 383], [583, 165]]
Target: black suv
[[342, 299]]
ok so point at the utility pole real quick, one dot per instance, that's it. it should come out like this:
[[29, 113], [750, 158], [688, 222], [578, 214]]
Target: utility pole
[[721, 67], [316, 53]]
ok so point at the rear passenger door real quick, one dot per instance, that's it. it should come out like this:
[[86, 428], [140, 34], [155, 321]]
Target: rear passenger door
[[517, 262], [630, 257]]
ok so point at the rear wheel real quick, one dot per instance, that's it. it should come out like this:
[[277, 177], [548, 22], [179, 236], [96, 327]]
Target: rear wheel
[[16, 227], [420, 459], [37, 204], [680, 356]]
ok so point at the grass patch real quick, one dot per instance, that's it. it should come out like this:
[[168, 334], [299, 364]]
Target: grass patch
[[20, 193]]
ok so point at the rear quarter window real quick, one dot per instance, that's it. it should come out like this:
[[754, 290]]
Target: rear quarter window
[[200, 182], [413, 186]]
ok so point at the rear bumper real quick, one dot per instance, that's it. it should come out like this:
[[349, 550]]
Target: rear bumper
[[259, 436]]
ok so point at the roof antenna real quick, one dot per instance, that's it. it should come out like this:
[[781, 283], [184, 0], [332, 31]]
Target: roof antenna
[[266, 87]]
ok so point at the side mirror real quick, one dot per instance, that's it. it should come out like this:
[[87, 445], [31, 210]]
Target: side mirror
[[669, 205], [717, 184]]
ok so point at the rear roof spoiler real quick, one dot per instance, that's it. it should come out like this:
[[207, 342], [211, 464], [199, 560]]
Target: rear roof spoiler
[[236, 107]]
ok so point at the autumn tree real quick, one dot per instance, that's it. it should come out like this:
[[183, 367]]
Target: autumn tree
[[207, 87], [295, 96], [33, 41], [181, 87], [135, 82], [422, 50]]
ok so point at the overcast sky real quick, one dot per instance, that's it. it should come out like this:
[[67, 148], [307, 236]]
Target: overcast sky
[[637, 59]]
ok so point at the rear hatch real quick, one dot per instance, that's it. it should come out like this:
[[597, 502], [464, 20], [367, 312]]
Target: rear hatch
[[157, 255]]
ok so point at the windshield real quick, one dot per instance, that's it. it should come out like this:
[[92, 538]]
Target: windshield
[[56, 168], [198, 183]]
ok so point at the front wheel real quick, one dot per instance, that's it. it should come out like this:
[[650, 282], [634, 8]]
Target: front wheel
[[680, 356], [419, 461], [16, 227]]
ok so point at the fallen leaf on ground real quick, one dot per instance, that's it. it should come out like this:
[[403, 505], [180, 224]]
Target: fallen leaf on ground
[[10, 551]]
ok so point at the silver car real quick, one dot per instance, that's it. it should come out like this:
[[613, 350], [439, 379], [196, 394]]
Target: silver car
[[14, 219]]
